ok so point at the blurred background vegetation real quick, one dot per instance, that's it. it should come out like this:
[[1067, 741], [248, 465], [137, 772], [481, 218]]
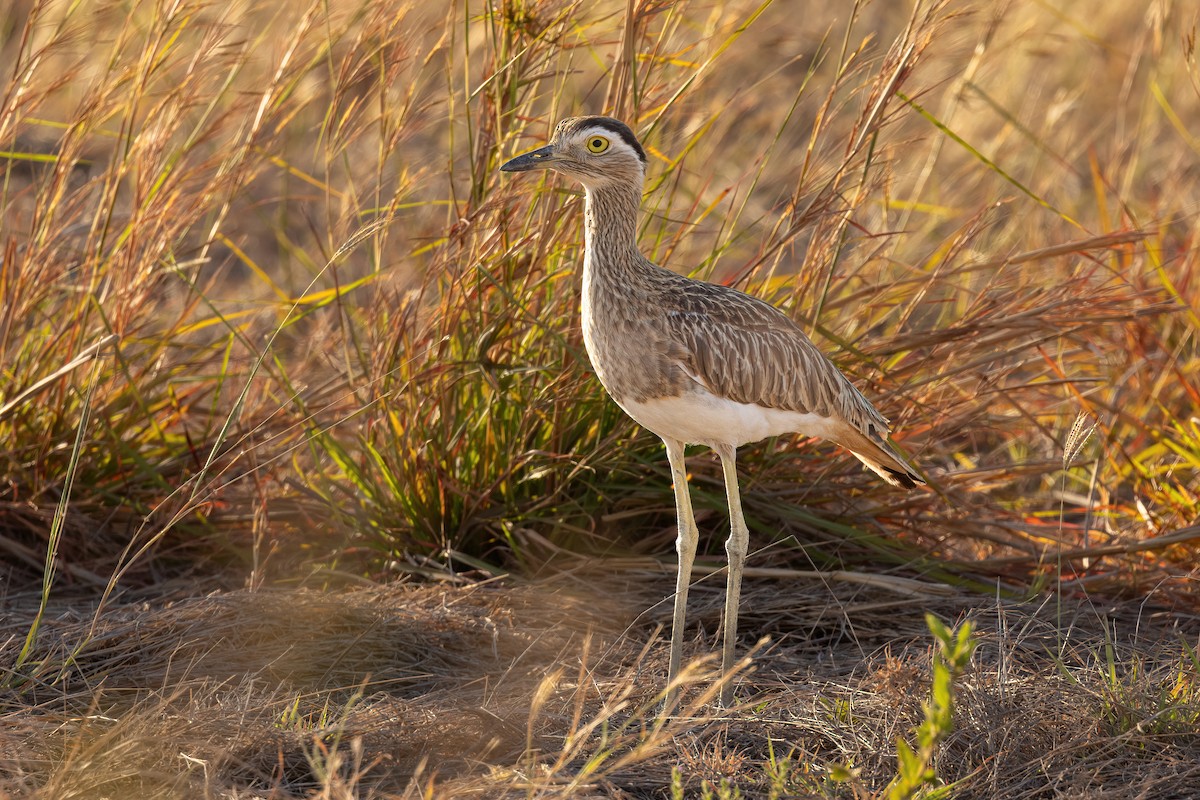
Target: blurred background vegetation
[[266, 305]]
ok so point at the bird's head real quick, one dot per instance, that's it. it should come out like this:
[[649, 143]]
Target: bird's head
[[596, 151]]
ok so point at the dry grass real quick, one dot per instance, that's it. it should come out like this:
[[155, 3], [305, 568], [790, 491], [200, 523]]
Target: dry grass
[[269, 315], [545, 690]]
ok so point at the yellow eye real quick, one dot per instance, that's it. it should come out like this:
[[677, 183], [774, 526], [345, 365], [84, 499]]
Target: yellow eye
[[597, 144]]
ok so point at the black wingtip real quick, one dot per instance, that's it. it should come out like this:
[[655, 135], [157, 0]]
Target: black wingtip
[[903, 478]]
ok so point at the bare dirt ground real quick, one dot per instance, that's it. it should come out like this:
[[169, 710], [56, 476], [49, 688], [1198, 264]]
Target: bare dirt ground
[[548, 689]]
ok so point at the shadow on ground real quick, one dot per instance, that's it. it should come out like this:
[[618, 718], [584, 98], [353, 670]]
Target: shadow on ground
[[550, 689]]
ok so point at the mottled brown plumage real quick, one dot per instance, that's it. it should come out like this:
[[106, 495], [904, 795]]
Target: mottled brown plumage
[[693, 361]]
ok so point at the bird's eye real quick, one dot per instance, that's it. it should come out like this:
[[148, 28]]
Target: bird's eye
[[597, 144]]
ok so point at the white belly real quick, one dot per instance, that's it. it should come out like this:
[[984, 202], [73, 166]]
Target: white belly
[[704, 418]]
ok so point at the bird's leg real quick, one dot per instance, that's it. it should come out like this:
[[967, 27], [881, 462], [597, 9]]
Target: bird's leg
[[685, 544], [735, 547]]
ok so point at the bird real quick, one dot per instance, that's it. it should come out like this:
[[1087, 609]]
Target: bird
[[696, 362]]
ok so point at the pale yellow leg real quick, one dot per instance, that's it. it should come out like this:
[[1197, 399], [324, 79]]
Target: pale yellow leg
[[685, 545], [735, 547]]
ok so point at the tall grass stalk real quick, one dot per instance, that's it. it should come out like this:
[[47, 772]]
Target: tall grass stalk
[[60, 512]]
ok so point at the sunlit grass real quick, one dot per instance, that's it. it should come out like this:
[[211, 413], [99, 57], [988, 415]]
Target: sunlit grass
[[300, 290]]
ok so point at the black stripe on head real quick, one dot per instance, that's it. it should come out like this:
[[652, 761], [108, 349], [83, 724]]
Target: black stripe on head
[[614, 126]]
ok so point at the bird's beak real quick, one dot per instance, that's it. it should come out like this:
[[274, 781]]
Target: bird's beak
[[541, 158]]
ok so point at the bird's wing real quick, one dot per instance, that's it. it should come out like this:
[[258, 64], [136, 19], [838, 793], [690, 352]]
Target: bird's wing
[[744, 349]]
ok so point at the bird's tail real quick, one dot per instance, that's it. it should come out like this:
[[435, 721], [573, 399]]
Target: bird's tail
[[880, 458]]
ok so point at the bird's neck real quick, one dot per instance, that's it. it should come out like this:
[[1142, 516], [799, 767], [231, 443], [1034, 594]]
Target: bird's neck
[[611, 217]]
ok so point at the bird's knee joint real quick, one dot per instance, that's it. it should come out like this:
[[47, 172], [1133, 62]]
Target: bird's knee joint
[[685, 545], [736, 548]]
